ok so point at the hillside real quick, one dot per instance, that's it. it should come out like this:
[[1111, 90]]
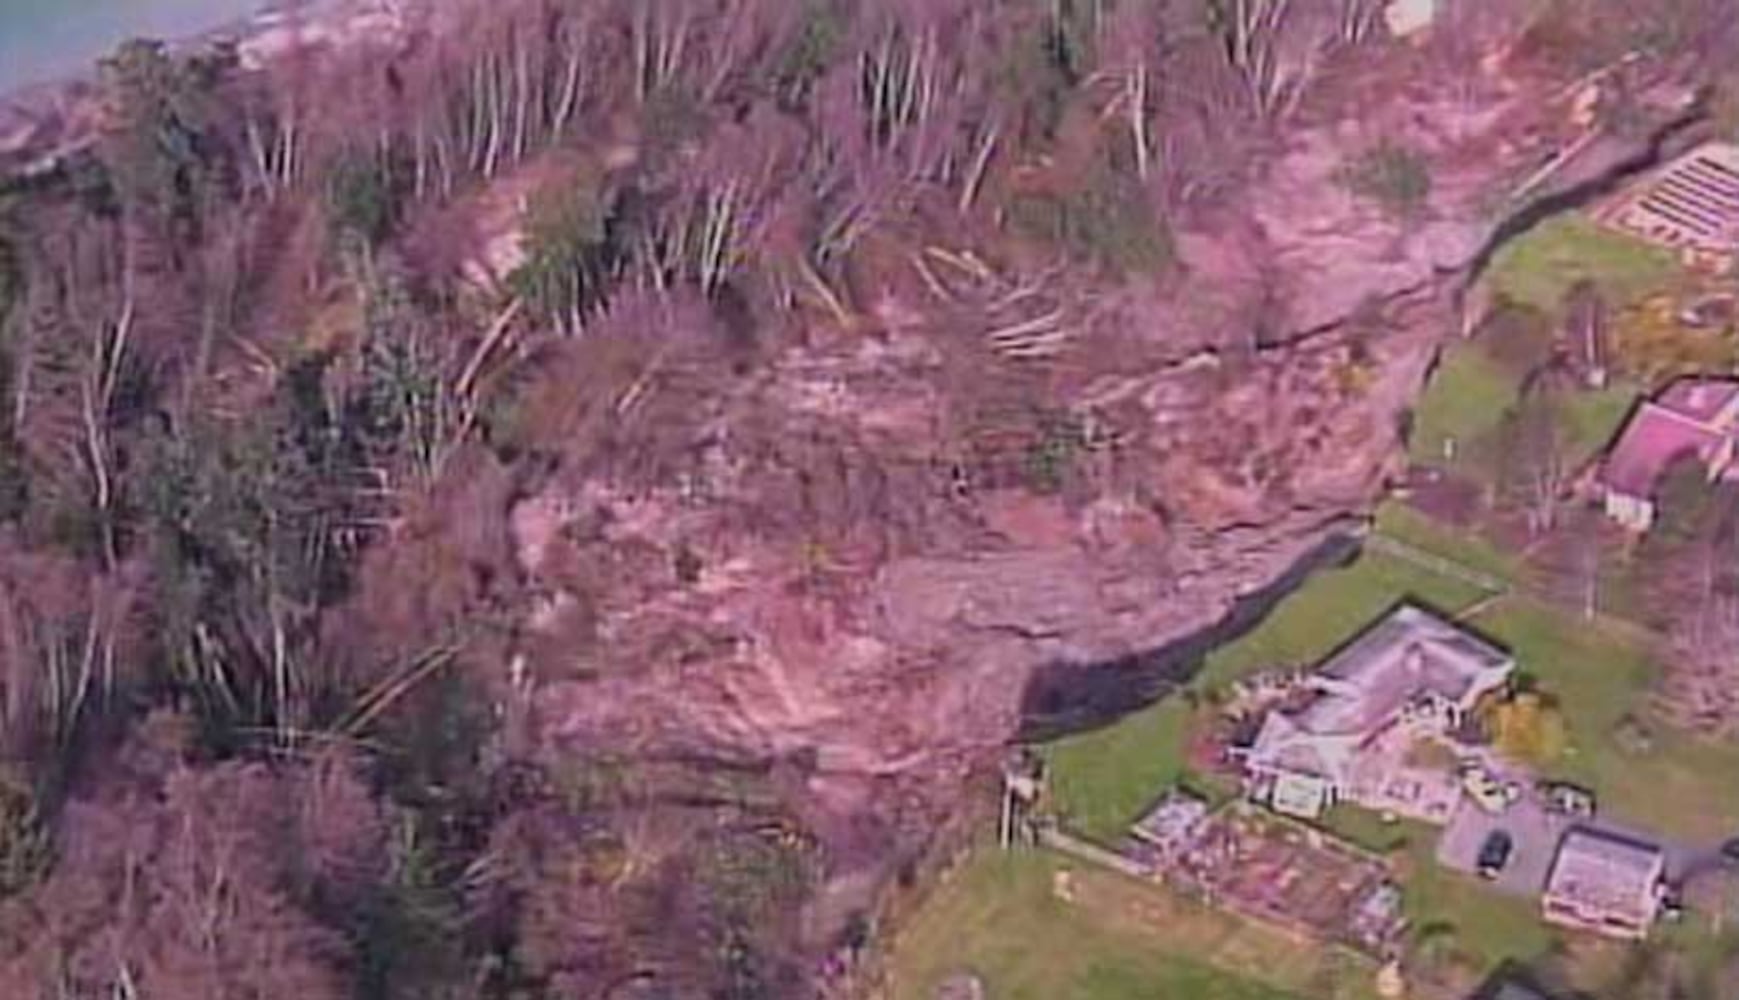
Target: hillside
[[555, 497]]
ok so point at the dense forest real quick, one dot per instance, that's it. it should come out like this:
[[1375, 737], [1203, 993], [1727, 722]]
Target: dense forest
[[284, 340]]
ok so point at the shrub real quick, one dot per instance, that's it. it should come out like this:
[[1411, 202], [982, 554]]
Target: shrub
[[1529, 728], [1394, 176], [24, 844], [1050, 457], [1105, 223], [569, 253], [361, 198]]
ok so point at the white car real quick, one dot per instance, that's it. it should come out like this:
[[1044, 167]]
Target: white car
[[1487, 791]]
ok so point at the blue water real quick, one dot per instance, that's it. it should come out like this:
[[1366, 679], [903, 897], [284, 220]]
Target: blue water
[[44, 39]]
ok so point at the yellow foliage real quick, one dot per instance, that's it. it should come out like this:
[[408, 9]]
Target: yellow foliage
[[1650, 342], [1527, 729]]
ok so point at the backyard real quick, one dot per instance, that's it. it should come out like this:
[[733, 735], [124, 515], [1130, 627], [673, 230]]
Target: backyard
[[1000, 917], [1478, 382], [1457, 419], [1599, 675]]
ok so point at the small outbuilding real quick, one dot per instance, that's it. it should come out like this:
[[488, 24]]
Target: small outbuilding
[[1172, 824], [1406, 18], [1695, 418], [1605, 884], [1690, 206]]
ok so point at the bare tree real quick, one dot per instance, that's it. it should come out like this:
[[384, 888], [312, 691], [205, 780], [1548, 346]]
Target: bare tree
[[1532, 466]]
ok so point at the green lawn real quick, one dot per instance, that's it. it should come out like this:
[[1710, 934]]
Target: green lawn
[[1592, 420], [1103, 779], [1367, 829], [1406, 524], [1328, 610], [1117, 939], [1485, 927], [1538, 268], [1464, 402], [1682, 785]]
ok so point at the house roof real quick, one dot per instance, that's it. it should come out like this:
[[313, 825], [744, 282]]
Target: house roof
[[1410, 653], [1700, 399], [1608, 874], [1679, 424], [1362, 689], [1171, 819], [1693, 202]]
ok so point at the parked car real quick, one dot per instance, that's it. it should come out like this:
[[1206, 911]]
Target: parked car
[[1730, 851], [1672, 905], [1487, 791], [1710, 312], [1495, 853], [1567, 799]]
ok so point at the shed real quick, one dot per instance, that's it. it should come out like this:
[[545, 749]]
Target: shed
[[1605, 883], [1409, 17], [1171, 825]]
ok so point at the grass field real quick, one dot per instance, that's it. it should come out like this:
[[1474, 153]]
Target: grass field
[[1369, 830], [1117, 939], [1100, 798], [1540, 267], [1470, 391], [1405, 524], [1680, 786], [1592, 420], [1463, 404], [1484, 927]]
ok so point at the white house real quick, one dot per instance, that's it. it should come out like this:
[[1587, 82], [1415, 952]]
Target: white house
[[1411, 674], [1605, 884]]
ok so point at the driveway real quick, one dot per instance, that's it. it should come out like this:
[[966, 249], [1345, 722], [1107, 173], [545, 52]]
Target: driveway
[[1537, 833]]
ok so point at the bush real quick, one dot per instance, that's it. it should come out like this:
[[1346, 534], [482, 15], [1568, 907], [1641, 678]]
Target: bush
[[361, 199], [569, 252], [24, 844], [1394, 176], [1529, 728], [1105, 223]]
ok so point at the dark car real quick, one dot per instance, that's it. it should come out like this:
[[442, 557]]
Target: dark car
[[1730, 851], [1495, 853], [1567, 799]]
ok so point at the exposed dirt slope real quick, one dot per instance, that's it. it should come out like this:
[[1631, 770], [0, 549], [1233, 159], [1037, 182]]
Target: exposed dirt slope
[[855, 550]]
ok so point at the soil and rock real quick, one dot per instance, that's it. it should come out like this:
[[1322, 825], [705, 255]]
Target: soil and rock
[[843, 558]]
